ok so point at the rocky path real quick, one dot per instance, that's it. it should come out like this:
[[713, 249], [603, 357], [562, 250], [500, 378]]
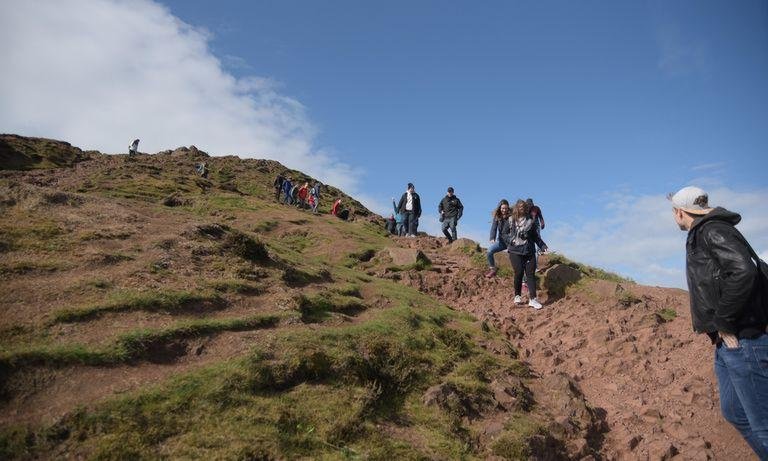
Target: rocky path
[[629, 348]]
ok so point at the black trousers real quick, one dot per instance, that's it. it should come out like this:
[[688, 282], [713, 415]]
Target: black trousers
[[524, 264]]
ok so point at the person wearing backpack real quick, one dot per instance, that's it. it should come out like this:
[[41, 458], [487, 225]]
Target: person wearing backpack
[[728, 286], [450, 210], [410, 207]]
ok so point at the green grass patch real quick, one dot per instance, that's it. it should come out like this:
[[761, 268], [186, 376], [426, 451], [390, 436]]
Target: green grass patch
[[153, 301], [317, 308], [136, 345], [320, 394], [265, 226], [666, 314], [237, 286], [31, 267], [628, 299], [588, 271]]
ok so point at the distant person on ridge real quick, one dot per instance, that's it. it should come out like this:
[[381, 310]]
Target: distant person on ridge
[[522, 239], [399, 220], [728, 285], [499, 229], [451, 210], [202, 169], [410, 207], [133, 148], [278, 185], [535, 212]]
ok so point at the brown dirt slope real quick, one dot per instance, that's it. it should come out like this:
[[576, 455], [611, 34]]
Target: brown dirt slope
[[629, 348]]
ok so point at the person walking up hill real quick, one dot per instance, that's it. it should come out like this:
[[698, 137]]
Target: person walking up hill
[[521, 240], [399, 220], [278, 185], [410, 207], [728, 285], [450, 209]]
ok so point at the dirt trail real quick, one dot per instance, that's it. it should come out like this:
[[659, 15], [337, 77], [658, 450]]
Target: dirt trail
[[651, 376]]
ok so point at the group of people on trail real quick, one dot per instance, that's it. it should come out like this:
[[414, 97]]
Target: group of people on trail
[[301, 196], [404, 222], [517, 230]]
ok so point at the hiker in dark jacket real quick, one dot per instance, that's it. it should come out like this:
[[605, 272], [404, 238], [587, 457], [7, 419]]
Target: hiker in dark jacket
[[410, 207], [499, 230], [522, 239], [287, 187], [450, 210], [278, 185], [729, 302]]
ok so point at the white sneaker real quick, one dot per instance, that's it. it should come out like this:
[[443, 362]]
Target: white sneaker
[[518, 300], [534, 303]]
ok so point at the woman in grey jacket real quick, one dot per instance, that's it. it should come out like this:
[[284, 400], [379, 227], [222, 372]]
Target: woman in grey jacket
[[522, 239]]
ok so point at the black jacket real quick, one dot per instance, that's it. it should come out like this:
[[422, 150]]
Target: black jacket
[[531, 238], [416, 204], [725, 292], [500, 229], [451, 206]]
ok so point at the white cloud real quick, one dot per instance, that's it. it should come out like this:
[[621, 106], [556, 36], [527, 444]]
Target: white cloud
[[99, 73], [638, 237]]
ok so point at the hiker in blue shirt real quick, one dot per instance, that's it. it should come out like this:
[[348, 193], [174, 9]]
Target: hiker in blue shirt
[[287, 186], [399, 221]]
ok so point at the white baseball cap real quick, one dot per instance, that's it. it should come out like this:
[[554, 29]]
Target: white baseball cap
[[691, 199]]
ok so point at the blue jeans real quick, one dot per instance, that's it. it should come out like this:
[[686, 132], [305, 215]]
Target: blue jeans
[[493, 249], [449, 223], [742, 376]]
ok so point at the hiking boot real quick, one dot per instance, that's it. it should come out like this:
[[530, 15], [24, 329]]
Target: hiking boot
[[518, 300], [534, 303], [491, 273]]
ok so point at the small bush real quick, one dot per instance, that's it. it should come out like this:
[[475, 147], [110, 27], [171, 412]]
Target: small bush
[[245, 247], [666, 314]]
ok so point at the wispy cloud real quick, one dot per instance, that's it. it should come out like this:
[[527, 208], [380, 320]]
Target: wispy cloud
[[709, 166], [680, 54], [638, 237], [99, 73]]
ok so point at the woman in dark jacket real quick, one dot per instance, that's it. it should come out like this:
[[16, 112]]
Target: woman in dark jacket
[[522, 240], [499, 228]]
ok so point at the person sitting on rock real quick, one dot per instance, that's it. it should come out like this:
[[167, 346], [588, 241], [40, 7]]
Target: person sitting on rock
[[133, 148], [391, 225], [202, 169], [499, 228], [338, 211], [522, 239]]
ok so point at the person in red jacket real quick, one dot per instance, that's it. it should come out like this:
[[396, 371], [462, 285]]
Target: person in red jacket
[[303, 195], [338, 211]]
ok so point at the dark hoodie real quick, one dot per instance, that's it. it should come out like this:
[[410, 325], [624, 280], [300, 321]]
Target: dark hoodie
[[722, 278]]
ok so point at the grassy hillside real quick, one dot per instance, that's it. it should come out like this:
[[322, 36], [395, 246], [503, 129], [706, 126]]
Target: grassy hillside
[[151, 314]]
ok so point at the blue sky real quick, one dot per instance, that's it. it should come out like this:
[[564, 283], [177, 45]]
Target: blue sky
[[594, 109]]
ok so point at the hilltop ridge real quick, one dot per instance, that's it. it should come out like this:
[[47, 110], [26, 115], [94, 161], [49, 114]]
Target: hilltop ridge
[[153, 313]]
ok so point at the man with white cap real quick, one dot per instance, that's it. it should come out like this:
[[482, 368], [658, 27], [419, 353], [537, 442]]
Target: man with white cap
[[728, 302]]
